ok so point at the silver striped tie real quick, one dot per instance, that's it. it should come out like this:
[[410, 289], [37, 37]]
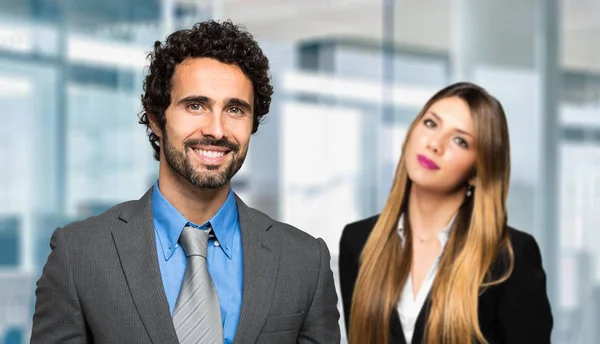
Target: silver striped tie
[[197, 315]]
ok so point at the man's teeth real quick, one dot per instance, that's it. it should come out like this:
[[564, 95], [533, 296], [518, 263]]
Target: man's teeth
[[209, 154]]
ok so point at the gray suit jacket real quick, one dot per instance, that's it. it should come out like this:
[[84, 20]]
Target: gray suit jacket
[[102, 283]]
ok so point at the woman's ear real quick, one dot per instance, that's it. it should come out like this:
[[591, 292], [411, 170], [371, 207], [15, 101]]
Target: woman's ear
[[472, 181]]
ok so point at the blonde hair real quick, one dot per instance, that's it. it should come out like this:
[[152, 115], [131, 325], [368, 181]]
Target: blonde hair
[[465, 263]]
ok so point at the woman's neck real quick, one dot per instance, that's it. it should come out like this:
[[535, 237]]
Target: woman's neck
[[429, 212]]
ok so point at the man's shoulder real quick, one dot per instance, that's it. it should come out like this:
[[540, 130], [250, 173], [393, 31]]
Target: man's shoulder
[[295, 244], [97, 224], [285, 230]]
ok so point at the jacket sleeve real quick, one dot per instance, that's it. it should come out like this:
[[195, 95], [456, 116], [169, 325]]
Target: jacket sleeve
[[58, 316], [524, 313], [321, 324]]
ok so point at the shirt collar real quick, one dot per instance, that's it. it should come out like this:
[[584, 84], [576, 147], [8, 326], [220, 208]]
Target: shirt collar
[[443, 235], [169, 223], [224, 223]]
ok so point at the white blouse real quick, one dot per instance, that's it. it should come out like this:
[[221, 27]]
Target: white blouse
[[409, 307]]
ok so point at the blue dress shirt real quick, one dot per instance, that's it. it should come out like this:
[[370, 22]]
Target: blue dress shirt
[[225, 260]]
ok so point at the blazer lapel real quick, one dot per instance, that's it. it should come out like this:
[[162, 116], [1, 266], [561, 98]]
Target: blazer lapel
[[261, 259], [397, 332], [136, 247], [420, 323]]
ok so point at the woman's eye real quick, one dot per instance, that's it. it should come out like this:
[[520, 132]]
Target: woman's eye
[[429, 123], [461, 142]]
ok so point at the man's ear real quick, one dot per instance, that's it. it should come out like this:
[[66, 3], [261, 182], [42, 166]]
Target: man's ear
[[154, 125]]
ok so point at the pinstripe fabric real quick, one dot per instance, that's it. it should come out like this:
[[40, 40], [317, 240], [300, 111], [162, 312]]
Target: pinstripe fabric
[[197, 316]]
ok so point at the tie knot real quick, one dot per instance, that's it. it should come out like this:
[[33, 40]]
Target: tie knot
[[194, 241]]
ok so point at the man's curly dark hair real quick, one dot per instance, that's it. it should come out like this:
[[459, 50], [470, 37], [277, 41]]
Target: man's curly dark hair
[[224, 42]]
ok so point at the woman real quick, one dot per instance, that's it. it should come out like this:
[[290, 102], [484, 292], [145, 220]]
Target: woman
[[440, 264]]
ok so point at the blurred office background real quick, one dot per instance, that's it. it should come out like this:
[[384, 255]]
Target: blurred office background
[[349, 77]]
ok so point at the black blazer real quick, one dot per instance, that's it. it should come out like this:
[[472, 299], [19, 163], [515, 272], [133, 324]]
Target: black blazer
[[515, 311]]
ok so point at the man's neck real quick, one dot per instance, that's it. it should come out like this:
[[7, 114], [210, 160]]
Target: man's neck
[[195, 204], [430, 212]]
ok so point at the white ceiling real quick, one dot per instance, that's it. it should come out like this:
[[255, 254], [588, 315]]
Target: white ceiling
[[423, 24]]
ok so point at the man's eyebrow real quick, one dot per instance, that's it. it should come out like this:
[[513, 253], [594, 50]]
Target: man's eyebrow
[[195, 99], [239, 102]]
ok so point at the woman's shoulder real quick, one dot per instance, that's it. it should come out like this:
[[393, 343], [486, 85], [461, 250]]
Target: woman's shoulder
[[355, 234], [524, 245], [520, 239], [526, 252]]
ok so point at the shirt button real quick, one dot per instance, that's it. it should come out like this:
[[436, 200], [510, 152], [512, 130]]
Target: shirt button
[[217, 244]]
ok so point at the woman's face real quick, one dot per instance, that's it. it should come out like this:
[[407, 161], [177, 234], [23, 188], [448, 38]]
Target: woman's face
[[441, 151]]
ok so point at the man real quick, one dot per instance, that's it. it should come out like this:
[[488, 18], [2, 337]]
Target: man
[[138, 272]]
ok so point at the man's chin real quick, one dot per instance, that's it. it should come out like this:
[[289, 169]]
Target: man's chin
[[209, 180], [208, 184], [213, 168]]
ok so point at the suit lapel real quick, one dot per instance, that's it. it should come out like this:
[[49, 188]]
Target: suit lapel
[[261, 259], [136, 247]]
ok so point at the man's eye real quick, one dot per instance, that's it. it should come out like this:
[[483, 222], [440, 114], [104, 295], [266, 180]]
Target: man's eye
[[236, 110]]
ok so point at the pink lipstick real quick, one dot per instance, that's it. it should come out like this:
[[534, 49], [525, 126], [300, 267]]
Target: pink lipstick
[[427, 163]]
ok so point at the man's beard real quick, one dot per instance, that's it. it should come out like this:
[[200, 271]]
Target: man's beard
[[216, 176]]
